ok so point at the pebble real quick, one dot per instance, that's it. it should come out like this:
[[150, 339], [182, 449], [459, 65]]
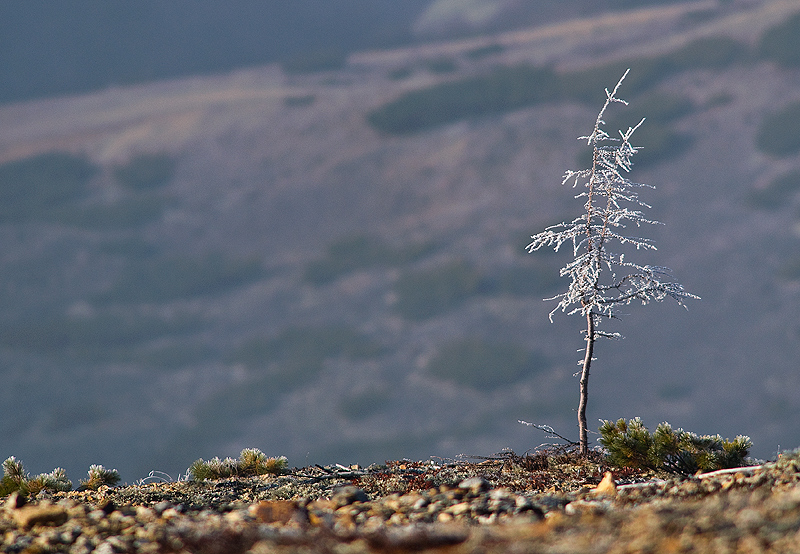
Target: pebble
[[469, 514]]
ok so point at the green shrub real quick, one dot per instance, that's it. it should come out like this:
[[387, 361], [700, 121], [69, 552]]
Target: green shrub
[[630, 444], [708, 53], [424, 294], [146, 171], [779, 133], [779, 43], [486, 365], [99, 476], [513, 87], [777, 192], [15, 479], [34, 187], [251, 462], [504, 89]]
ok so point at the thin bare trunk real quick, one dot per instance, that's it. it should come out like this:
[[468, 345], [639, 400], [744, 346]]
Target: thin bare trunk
[[587, 363]]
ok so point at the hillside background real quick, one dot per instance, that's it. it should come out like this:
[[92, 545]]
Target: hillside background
[[302, 229]]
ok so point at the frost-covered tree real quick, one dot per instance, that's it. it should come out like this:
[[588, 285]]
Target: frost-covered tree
[[601, 281]]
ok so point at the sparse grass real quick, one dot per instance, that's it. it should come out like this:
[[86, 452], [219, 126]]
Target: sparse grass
[[251, 462]]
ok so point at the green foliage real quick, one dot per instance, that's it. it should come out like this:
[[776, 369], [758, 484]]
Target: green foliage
[[482, 364], [37, 186], [355, 252], [15, 479], [169, 278], [779, 43], [630, 444], [777, 192], [146, 171], [99, 476], [514, 87], [779, 133], [504, 89], [55, 481], [251, 462], [424, 294]]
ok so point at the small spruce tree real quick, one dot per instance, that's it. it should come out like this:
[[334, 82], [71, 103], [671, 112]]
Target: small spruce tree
[[601, 281]]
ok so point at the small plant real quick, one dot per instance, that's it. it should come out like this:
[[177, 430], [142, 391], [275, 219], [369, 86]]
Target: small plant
[[251, 462], [99, 476], [16, 479], [54, 481], [630, 444], [611, 201]]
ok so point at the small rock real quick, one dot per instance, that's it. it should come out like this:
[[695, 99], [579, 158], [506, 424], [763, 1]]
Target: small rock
[[15, 501], [475, 485], [348, 494], [277, 511], [42, 514], [606, 487]]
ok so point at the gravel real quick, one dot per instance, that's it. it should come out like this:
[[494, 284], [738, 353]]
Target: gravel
[[511, 504]]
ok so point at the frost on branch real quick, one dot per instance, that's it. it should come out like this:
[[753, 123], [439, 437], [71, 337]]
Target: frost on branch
[[601, 280]]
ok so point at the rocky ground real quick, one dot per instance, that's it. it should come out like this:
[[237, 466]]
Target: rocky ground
[[532, 503]]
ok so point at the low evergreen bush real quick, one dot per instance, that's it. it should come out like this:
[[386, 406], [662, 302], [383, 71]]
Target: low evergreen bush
[[630, 444], [16, 479], [251, 462], [99, 476]]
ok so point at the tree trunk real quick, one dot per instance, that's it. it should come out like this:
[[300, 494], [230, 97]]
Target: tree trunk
[[587, 363]]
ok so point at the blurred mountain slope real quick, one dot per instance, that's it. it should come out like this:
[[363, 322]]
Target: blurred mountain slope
[[197, 265]]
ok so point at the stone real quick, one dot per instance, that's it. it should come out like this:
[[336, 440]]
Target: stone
[[41, 514], [348, 494], [606, 487], [276, 511], [475, 485]]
